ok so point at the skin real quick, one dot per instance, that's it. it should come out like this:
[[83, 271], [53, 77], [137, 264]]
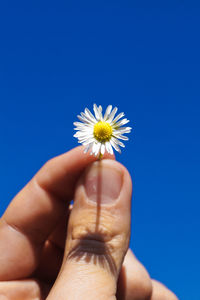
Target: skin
[[49, 249]]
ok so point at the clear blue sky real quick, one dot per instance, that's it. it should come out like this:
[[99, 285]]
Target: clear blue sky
[[56, 57]]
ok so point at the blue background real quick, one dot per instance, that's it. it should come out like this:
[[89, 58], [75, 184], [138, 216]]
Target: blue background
[[56, 57]]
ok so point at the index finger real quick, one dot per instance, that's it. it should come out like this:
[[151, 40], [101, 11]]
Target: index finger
[[36, 210]]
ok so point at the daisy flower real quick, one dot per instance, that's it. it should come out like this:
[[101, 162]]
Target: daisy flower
[[100, 133]]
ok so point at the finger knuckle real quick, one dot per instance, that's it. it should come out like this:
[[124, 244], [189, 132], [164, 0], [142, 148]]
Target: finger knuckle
[[97, 246]]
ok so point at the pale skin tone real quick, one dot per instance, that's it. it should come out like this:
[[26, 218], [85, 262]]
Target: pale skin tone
[[42, 235]]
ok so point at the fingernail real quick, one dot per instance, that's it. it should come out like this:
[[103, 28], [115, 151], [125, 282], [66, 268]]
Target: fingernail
[[103, 183]]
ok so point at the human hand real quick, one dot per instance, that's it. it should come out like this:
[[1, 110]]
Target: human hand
[[41, 235]]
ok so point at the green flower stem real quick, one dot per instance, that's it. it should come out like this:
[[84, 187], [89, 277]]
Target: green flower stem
[[100, 156]]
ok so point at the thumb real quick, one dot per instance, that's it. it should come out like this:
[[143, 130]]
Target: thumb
[[98, 234]]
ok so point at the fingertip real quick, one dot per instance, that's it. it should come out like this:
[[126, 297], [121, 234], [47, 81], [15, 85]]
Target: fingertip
[[65, 168], [134, 279], [105, 178], [160, 291]]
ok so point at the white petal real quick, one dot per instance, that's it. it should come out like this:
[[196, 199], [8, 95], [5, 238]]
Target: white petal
[[88, 142], [84, 120], [86, 137], [122, 130], [94, 148], [89, 114], [121, 123], [102, 149], [87, 148], [77, 135], [79, 124], [121, 137], [118, 142], [108, 110], [96, 111], [86, 131], [77, 128], [112, 114], [85, 127], [83, 136], [97, 149], [92, 144], [100, 108], [92, 120], [84, 116], [115, 146], [84, 141], [118, 117], [100, 113], [109, 148]]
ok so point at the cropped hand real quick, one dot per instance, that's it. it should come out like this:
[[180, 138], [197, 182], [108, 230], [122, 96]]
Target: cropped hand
[[51, 249]]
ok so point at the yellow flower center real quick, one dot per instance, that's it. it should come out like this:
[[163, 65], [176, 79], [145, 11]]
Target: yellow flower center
[[102, 131]]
